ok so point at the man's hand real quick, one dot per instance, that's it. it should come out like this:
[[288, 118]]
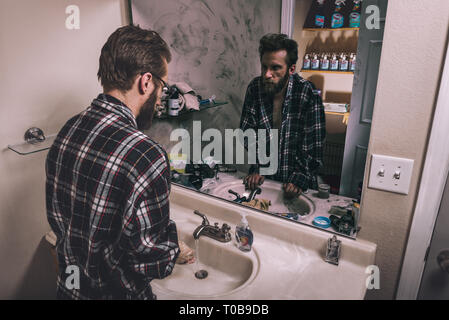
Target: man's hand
[[254, 180], [291, 191], [187, 255]]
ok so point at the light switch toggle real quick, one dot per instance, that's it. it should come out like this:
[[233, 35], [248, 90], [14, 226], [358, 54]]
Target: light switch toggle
[[397, 175], [381, 172]]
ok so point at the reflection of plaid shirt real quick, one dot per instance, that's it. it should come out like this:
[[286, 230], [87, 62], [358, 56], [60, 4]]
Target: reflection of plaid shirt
[[107, 195], [302, 133]]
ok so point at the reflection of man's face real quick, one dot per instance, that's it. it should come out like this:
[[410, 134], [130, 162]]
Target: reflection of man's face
[[274, 71]]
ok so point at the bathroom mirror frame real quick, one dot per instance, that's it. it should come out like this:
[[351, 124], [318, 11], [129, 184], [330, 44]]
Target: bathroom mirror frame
[[287, 26]]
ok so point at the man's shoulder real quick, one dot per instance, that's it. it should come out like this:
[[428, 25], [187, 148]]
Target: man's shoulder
[[254, 83], [143, 147], [300, 82]]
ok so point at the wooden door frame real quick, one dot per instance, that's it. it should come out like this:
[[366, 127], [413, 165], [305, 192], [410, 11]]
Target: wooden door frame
[[288, 17], [433, 180]]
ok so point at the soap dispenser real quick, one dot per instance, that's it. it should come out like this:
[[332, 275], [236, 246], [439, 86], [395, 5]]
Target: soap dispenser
[[243, 235]]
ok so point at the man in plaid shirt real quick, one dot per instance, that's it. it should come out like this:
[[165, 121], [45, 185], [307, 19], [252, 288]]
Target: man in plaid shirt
[[281, 99], [108, 184]]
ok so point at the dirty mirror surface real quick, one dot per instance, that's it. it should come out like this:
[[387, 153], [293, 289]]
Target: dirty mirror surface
[[214, 47]]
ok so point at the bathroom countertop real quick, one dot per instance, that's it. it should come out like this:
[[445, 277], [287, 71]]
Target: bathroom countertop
[[288, 258], [322, 206]]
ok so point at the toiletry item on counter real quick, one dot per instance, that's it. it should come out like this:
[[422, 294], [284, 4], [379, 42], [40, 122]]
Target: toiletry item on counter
[[261, 204], [196, 180], [202, 169], [322, 222], [356, 214], [243, 235], [344, 224], [178, 162], [323, 191], [338, 210]]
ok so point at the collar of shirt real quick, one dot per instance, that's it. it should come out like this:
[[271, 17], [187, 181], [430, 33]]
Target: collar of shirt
[[116, 106], [266, 104]]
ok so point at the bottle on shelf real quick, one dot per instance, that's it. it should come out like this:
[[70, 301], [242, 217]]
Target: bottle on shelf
[[315, 62], [354, 16], [352, 62], [337, 20], [319, 16], [306, 62], [324, 62], [343, 62], [334, 63]]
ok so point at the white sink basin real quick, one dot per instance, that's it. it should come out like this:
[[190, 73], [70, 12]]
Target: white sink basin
[[272, 191], [228, 269]]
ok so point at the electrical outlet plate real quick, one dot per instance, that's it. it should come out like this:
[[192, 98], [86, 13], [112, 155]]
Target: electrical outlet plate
[[390, 173]]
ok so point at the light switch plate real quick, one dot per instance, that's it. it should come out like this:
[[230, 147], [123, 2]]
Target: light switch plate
[[390, 173]]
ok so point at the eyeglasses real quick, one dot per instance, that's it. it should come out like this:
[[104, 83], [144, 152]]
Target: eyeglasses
[[165, 87]]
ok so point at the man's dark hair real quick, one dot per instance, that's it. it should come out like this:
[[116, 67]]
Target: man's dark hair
[[277, 41], [128, 52]]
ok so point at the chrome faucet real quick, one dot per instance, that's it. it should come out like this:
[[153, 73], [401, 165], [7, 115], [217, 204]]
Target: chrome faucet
[[333, 250], [250, 197], [215, 232], [253, 194]]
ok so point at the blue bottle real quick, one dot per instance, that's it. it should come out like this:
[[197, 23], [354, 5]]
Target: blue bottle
[[354, 16], [337, 17], [319, 16]]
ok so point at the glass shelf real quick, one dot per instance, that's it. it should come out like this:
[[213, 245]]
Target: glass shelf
[[185, 112], [26, 148]]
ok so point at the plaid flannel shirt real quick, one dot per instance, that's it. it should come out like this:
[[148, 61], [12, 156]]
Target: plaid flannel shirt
[[302, 132], [107, 196]]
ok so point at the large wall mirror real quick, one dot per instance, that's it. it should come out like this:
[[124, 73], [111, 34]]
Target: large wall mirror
[[214, 45]]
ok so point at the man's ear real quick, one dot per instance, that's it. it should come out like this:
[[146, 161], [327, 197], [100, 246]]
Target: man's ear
[[292, 69], [145, 83]]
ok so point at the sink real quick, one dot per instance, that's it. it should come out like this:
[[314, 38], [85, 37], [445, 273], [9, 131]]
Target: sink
[[286, 261], [228, 269], [272, 191]]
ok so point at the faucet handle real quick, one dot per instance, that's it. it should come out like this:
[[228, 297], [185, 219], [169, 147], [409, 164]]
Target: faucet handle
[[225, 228], [205, 221]]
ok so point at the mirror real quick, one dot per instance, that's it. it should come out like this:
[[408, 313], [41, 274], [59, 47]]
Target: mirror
[[214, 45]]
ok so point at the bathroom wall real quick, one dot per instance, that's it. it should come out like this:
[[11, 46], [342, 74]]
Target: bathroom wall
[[48, 73], [215, 50], [414, 46]]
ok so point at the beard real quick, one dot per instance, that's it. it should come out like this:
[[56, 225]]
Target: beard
[[145, 116], [271, 88]]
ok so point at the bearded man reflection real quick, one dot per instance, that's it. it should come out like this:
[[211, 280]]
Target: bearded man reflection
[[280, 99]]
